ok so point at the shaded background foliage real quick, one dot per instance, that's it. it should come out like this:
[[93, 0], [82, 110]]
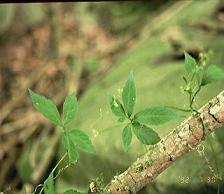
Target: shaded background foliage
[[90, 48]]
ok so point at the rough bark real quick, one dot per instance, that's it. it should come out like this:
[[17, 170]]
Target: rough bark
[[180, 141]]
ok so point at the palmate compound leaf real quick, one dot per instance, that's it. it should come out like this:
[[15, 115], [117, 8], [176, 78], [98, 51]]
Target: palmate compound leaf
[[49, 185], [155, 115], [72, 191], [190, 64], [46, 107], [70, 147], [70, 108], [81, 140], [127, 136], [212, 73], [129, 95], [117, 108], [145, 134]]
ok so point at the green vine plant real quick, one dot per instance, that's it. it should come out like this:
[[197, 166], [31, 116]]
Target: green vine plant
[[197, 76], [73, 139], [140, 124]]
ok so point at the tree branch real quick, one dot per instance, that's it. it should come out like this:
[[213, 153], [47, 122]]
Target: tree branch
[[180, 141]]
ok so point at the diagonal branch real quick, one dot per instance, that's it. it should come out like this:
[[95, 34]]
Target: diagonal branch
[[180, 141]]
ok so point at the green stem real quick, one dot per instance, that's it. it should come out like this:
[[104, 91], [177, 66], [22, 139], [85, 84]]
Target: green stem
[[109, 128], [41, 189], [180, 109], [195, 94], [63, 157], [190, 100]]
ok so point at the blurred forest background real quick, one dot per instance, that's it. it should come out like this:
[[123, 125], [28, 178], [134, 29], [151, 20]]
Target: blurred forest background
[[90, 48]]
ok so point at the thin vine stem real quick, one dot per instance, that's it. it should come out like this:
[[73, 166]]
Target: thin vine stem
[[180, 109], [110, 128], [59, 162], [190, 101], [195, 94]]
